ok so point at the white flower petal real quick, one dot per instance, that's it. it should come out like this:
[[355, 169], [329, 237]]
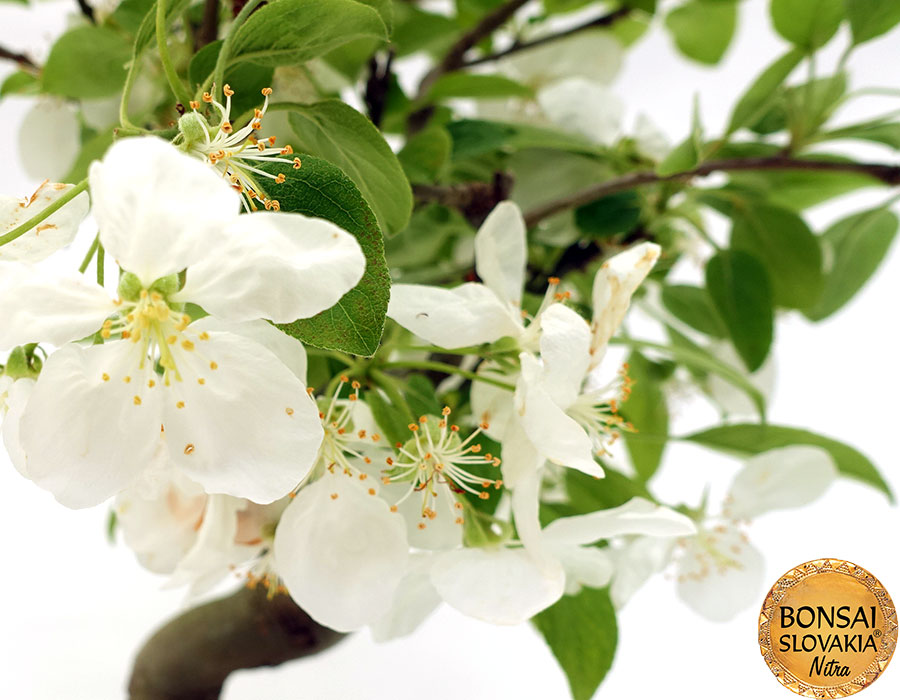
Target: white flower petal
[[583, 107], [555, 435], [85, 437], [54, 232], [636, 517], [341, 553], [414, 600], [49, 139], [442, 532], [470, 314], [39, 306], [593, 54], [565, 352], [501, 253], [492, 404], [501, 586], [161, 528], [17, 395], [276, 266], [614, 284], [249, 429], [520, 458], [159, 210], [287, 349], [584, 566], [215, 551], [734, 402], [787, 477], [719, 592], [635, 563]]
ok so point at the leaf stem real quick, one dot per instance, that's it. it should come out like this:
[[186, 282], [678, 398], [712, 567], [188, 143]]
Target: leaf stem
[[44, 213], [89, 255], [178, 88], [448, 369], [218, 75]]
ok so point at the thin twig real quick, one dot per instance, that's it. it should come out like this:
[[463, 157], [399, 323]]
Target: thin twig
[[474, 200], [604, 21], [888, 174], [87, 11], [19, 58], [377, 86], [455, 57], [209, 26]]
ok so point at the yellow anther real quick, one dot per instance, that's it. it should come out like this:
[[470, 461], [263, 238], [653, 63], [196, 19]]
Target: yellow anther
[[207, 97], [105, 377], [137, 400], [297, 164], [194, 104], [187, 344], [280, 178], [213, 365], [151, 383], [201, 380], [189, 448], [227, 90], [334, 497], [204, 336], [180, 404], [266, 91], [126, 379], [289, 411], [371, 492]]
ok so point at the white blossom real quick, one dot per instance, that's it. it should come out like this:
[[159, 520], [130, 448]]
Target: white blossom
[[54, 232], [231, 416]]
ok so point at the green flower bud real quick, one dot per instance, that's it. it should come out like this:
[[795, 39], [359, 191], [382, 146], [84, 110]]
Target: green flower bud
[[23, 363], [194, 128], [130, 287], [165, 285]]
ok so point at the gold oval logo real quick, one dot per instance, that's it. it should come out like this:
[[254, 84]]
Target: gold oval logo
[[827, 629]]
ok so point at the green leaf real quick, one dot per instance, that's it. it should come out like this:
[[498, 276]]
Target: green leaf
[[741, 292], [647, 411], [476, 137], [246, 79], [799, 189], [320, 189], [680, 159], [421, 397], [750, 438], [129, 15], [19, 82], [86, 62], [754, 103], [92, 149], [288, 32], [417, 30], [582, 634], [692, 305], [686, 155], [146, 34], [451, 85], [790, 251], [703, 29], [338, 133], [808, 24], [877, 131], [391, 420], [871, 18], [856, 246], [607, 216], [425, 153]]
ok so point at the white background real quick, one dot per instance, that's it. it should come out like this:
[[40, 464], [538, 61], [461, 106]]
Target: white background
[[74, 609]]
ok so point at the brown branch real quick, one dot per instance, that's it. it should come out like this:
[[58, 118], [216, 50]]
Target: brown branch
[[604, 21], [888, 174], [87, 11], [190, 657], [378, 85], [474, 200], [19, 58], [455, 57], [209, 26]]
